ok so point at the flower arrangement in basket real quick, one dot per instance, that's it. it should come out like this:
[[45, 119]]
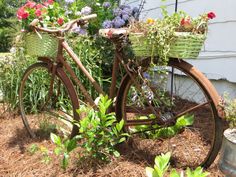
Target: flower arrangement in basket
[[55, 14], [49, 14], [174, 36]]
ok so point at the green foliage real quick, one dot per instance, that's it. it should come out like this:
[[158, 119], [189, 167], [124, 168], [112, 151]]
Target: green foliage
[[100, 131], [45, 153], [162, 164], [64, 148], [12, 68], [229, 108], [33, 149], [98, 135], [165, 132], [198, 172], [8, 27], [160, 167], [97, 55]]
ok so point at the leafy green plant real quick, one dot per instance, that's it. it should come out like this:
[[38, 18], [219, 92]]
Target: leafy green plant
[[33, 149], [98, 134], [11, 71], [64, 148], [198, 172], [162, 164], [160, 167], [165, 132], [100, 131], [45, 153], [229, 109]]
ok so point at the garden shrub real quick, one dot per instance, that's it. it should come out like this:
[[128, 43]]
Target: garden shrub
[[11, 71], [99, 132]]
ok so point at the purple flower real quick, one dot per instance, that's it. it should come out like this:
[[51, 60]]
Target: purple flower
[[69, 1], [79, 30], [106, 4], [107, 24], [86, 10], [125, 17], [117, 12], [127, 11], [118, 22], [146, 75]]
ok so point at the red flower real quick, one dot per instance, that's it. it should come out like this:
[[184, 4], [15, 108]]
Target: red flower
[[186, 22], [30, 4], [38, 12], [22, 14], [211, 15], [60, 21]]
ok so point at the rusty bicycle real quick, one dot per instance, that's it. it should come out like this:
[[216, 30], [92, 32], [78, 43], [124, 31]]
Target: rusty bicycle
[[147, 106]]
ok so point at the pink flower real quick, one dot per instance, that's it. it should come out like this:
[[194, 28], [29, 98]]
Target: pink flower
[[186, 22], [30, 4], [39, 6], [60, 21], [38, 12], [50, 1], [211, 15], [22, 14]]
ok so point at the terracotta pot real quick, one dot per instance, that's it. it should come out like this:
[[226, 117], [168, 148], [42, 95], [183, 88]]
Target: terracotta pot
[[227, 163]]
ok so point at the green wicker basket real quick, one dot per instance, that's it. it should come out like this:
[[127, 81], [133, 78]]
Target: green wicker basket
[[140, 45], [41, 45], [185, 45]]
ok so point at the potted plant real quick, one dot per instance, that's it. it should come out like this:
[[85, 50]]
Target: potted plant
[[227, 162], [177, 36]]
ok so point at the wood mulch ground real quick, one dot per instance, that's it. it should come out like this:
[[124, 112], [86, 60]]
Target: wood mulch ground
[[16, 160]]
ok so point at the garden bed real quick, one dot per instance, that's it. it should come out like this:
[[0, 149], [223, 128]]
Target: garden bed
[[16, 160]]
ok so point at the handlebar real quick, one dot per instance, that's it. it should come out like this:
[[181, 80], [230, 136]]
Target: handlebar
[[68, 26]]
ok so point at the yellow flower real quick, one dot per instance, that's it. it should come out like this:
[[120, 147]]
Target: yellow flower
[[150, 21]]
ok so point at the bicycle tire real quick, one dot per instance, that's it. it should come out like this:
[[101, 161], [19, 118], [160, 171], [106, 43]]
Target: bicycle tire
[[206, 130], [41, 115]]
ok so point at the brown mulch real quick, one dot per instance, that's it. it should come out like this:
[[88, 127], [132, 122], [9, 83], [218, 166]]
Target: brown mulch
[[16, 160]]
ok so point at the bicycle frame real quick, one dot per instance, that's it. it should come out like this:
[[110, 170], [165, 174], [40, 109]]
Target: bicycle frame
[[60, 60]]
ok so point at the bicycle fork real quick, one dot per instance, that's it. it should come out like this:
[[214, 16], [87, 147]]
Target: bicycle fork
[[53, 68]]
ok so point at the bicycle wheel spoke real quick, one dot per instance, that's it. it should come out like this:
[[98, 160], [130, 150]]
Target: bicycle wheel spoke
[[184, 118], [44, 111]]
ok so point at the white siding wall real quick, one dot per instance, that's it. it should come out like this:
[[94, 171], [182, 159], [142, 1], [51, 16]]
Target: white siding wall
[[218, 57]]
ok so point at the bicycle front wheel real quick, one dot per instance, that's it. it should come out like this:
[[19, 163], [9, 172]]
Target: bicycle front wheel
[[44, 111], [170, 109]]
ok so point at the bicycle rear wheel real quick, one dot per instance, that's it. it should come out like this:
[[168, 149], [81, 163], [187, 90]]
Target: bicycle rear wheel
[[171, 112], [43, 112]]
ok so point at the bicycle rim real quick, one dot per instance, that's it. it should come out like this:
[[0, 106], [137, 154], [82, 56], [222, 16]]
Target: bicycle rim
[[182, 103], [41, 113]]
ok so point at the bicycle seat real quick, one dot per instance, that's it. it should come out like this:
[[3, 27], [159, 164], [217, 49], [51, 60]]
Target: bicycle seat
[[113, 32]]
